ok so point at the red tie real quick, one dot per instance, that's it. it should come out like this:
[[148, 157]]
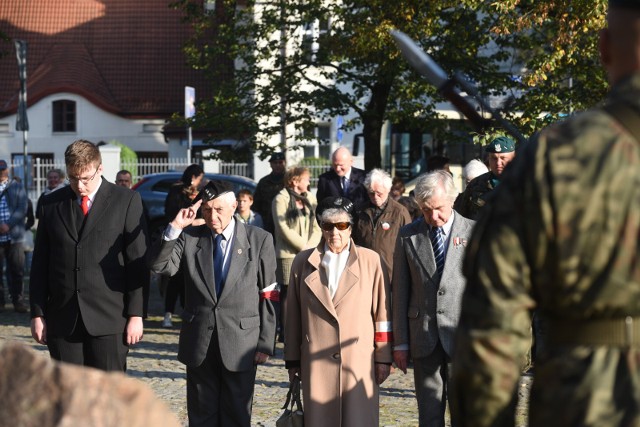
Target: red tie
[[85, 205]]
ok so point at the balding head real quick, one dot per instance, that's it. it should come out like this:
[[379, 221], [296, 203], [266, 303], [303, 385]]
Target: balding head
[[620, 42], [341, 161]]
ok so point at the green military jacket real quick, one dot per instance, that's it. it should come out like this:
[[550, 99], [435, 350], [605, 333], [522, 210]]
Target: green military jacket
[[560, 235], [474, 197]]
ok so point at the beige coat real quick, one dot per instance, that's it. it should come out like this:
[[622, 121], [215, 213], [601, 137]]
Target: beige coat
[[291, 240], [337, 342]]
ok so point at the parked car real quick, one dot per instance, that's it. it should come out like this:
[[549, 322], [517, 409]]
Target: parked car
[[153, 189]]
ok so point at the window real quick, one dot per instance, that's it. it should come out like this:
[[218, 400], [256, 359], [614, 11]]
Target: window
[[312, 33], [64, 116]]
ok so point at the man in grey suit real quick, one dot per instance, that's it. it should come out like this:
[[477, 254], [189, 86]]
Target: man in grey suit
[[228, 323], [427, 292]]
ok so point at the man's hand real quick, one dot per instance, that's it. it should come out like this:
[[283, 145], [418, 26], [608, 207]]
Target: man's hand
[[39, 330], [4, 228], [260, 358], [134, 330], [293, 372], [401, 357], [382, 372], [186, 217]]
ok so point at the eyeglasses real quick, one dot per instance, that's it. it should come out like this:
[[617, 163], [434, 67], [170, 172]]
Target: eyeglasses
[[328, 226], [85, 181]]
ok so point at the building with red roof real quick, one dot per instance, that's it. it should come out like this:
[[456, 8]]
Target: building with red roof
[[100, 70]]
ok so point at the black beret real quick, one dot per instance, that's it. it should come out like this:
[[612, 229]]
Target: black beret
[[276, 157], [333, 202], [213, 190], [629, 4]]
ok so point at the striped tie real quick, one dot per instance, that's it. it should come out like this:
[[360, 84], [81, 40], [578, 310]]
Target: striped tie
[[438, 248], [218, 264]]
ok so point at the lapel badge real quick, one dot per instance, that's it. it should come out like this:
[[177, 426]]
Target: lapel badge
[[385, 226], [457, 241], [239, 251]]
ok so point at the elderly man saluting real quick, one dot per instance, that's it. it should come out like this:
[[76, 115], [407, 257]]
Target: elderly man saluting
[[427, 290], [228, 320]]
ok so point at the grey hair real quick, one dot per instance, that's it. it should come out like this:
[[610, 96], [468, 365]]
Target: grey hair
[[474, 169], [331, 213], [379, 176], [427, 185], [229, 197]]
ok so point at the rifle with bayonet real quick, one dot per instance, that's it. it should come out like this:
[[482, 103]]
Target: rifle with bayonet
[[448, 87]]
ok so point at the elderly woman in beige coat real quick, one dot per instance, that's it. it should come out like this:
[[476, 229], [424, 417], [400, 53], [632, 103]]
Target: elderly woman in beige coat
[[338, 328]]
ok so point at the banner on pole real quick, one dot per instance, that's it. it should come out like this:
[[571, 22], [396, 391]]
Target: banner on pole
[[189, 102], [22, 123]]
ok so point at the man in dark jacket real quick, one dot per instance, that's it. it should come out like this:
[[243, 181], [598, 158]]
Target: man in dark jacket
[[267, 189], [343, 180], [377, 224]]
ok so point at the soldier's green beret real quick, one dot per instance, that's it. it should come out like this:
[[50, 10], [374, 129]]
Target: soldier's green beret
[[629, 4], [501, 144]]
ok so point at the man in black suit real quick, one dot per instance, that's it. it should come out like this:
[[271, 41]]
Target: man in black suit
[[343, 180], [88, 266], [228, 323]]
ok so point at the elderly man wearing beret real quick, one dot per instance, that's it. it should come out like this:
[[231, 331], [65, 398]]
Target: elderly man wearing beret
[[500, 152], [228, 323]]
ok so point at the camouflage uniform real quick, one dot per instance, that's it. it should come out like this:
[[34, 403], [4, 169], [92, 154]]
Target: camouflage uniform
[[473, 199], [561, 235]]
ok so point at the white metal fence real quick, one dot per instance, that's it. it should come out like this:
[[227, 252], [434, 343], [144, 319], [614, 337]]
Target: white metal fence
[[144, 166]]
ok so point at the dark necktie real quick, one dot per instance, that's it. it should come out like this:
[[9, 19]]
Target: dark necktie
[[218, 263], [438, 248], [84, 204], [345, 186]]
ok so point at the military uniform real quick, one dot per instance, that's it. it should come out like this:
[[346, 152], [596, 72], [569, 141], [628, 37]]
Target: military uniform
[[476, 194], [474, 198], [560, 235]]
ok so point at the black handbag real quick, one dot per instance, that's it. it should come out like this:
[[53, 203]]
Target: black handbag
[[292, 417]]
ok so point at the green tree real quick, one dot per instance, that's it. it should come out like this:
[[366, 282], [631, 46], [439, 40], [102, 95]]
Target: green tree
[[309, 60], [301, 61], [556, 41]]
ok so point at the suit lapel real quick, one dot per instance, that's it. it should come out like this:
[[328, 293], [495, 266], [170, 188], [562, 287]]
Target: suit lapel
[[99, 207], [337, 184], [316, 285], [67, 213], [458, 228], [204, 261], [238, 258], [424, 250], [349, 276]]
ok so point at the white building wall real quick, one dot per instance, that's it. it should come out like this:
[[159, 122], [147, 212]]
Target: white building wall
[[92, 123]]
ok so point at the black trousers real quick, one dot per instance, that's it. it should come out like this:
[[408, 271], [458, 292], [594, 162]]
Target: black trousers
[[217, 397], [12, 254], [108, 352]]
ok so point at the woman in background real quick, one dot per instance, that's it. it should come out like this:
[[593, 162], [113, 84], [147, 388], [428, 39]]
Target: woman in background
[[295, 226]]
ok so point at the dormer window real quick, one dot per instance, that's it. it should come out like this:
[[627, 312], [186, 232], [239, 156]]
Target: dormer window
[[64, 116]]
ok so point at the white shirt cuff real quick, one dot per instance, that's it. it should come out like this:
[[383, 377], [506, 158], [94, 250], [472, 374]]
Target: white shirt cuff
[[171, 233]]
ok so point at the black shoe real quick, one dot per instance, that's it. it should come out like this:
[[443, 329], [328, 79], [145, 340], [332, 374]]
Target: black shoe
[[19, 307]]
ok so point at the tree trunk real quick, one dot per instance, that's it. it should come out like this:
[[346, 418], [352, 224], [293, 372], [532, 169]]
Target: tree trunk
[[372, 121]]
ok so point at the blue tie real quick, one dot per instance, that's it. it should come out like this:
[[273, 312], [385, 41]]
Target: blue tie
[[438, 248], [218, 263]]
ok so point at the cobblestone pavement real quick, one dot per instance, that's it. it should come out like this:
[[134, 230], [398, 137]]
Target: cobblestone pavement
[[154, 362]]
